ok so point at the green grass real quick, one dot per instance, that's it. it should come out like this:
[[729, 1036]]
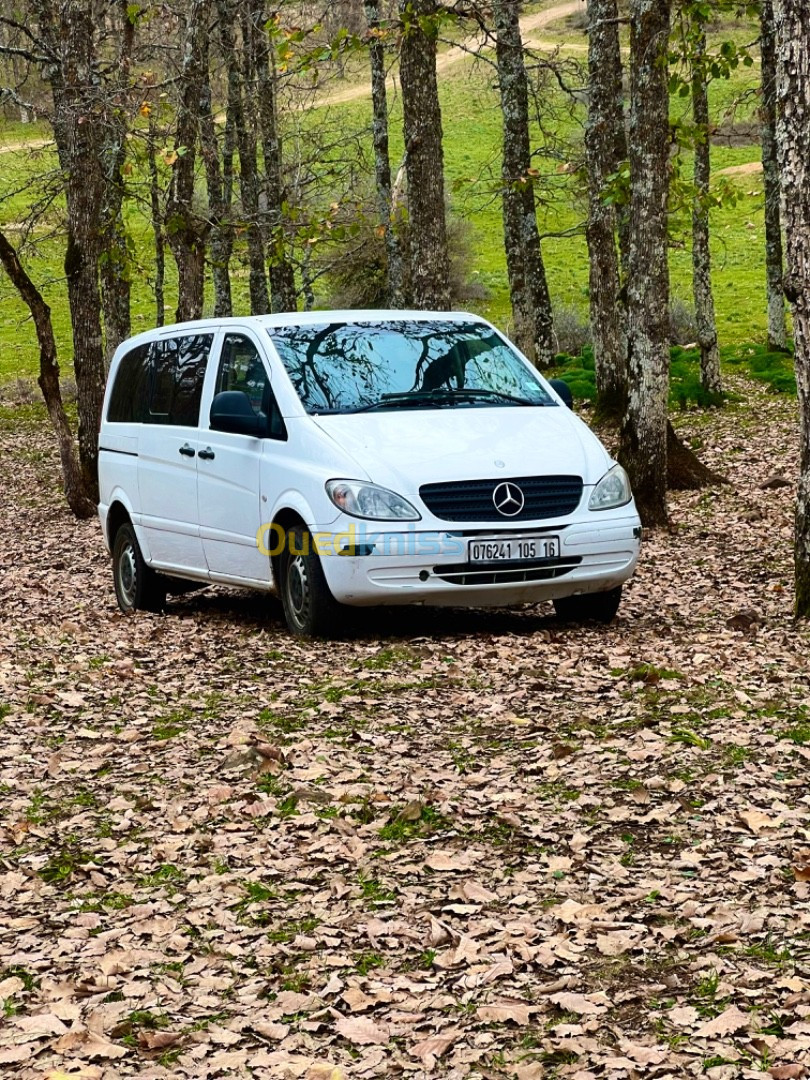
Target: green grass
[[773, 369]]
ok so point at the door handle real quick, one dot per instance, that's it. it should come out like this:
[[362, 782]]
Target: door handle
[[187, 451], [207, 454]]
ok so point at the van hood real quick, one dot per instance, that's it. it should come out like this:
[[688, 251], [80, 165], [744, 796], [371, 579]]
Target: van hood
[[403, 450]]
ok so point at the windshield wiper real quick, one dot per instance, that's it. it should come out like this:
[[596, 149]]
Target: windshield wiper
[[419, 399], [473, 391]]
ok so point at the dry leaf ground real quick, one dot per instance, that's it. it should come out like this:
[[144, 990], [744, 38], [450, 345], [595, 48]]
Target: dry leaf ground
[[458, 844]]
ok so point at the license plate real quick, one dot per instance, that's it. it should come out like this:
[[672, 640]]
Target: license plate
[[513, 549]]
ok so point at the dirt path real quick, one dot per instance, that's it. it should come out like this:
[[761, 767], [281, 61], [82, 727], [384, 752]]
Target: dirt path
[[15, 147], [454, 55], [748, 169]]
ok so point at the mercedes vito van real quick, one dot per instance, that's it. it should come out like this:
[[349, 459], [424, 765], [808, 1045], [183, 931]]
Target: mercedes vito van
[[355, 458]]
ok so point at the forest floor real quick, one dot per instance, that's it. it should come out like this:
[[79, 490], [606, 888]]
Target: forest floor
[[459, 843]]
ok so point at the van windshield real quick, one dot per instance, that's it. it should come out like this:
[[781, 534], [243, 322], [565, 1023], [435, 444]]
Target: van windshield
[[404, 364]]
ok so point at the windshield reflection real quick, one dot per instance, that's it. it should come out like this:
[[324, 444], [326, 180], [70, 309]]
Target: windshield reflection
[[351, 367]]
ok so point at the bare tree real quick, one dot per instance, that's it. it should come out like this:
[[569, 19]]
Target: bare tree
[[777, 330], [382, 161], [791, 19], [281, 271], [69, 61], [605, 150], [79, 500], [528, 286], [114, 261], [644, 429], [219, 183], [185, 229], [701, 253], [430, 264]]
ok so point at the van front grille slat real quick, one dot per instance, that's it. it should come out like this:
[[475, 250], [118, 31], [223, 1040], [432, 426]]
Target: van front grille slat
[[473, 500], [507, 573]]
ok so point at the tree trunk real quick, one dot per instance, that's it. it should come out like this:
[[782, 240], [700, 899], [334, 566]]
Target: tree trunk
[[382, 161], [531, 303], [76, 494], [156, 216], [791, 19], [644, 430], [114, 264], [281, 271], [701, 254], [239, 80], [218, 203], [185, 230], [422, 118], [605, 117], [77, 127], [777, 329]]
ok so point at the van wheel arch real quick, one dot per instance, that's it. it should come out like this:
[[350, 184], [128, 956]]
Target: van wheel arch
[[285, 519], [117, 516]]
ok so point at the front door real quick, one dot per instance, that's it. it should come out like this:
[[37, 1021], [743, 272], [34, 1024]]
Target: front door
[[229, 470]]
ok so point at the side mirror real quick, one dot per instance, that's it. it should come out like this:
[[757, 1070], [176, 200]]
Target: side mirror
[[231, 411], [563, 390]]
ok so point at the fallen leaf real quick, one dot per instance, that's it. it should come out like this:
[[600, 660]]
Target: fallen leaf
[[361, 1031], [725, 1024]]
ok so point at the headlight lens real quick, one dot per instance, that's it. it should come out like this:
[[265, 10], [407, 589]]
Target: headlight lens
[[611, 491], [370, 501]]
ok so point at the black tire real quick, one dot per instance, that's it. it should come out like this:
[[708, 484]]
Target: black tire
[[309, 607], [597, 607], [137, 586]]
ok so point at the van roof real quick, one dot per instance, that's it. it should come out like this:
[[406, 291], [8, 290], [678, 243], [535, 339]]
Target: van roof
[[307, 318]]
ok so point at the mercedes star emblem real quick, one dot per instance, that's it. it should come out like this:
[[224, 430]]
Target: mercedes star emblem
[[508, 499]]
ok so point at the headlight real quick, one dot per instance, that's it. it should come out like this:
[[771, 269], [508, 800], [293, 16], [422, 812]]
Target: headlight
[[611, 491], [369, 501]]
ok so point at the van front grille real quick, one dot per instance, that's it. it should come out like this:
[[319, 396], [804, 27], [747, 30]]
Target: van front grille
[[475, 500]]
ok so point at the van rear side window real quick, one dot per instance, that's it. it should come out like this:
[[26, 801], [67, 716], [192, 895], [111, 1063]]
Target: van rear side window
[[178, 372], [129, 394]]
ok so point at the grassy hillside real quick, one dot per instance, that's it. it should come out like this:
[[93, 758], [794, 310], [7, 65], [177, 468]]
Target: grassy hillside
[[472, 138]]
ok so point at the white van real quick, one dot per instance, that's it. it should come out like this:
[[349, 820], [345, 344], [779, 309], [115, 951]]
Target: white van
[[360, 458]]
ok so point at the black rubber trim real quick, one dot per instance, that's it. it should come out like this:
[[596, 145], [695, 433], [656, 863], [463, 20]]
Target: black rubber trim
[[126, 453]]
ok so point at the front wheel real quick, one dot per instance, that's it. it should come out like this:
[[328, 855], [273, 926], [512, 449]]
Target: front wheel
[[598, 607], [309, 607], [137, 586]]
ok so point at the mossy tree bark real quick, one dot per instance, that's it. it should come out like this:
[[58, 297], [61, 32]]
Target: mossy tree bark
[[774, 255], [219, 183], [605, 150], [186, 231], [422, 118], [528, 285], [643, 449], [791, 19], [281, 271], [701, 253], [68, 33], [382, 160]]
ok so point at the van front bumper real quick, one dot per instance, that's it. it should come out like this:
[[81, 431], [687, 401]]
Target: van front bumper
[[367, 567]]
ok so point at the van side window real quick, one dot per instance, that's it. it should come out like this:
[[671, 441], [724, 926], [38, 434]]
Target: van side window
[[178, 373], [128, 398], [241, 368]]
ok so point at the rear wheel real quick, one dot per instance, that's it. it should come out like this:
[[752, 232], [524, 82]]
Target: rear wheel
[[137, 586], [598, 607], [309, 607]]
